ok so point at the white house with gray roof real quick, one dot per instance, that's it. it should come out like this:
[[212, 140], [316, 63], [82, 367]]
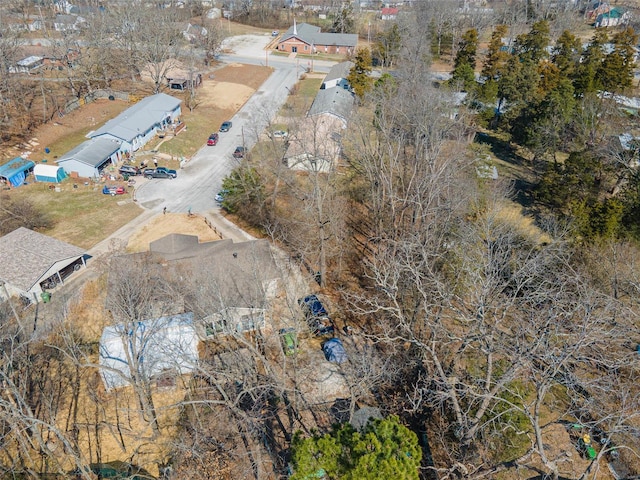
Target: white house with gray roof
[[138, 124], [337, 76], [31, 261], [89, 158]]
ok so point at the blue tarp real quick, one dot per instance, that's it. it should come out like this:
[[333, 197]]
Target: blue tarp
[[16, 170], [334, 351]]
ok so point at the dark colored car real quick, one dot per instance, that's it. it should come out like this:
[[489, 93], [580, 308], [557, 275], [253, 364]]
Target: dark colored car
[[160, 172], [212, 140], [316, 315], [129, 170], [226, 126], [238, 152]]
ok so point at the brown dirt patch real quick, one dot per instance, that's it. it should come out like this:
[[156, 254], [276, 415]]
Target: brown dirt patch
[[167, 224], [250, 75], [225, 95]]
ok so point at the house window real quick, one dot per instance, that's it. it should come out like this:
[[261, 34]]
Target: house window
[[250, 322], [306, 47]]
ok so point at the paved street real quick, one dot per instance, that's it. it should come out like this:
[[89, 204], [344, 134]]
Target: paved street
[[201, 177]]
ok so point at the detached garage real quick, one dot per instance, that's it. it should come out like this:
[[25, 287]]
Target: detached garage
[[48, 173], [15, 171], [89, 158]]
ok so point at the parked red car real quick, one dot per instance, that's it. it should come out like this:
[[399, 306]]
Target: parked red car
[[213, 139], [239, 152], [113, 190]]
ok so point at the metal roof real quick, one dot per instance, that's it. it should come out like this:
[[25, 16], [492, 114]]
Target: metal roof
[[26, 255], [139, 118], [14, 166], [334, 101], [93, 152], [29, 61]]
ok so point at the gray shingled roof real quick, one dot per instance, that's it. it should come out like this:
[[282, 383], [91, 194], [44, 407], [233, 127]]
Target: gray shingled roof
[[139, 118], [93, 152], [26, 255], [335, 101], [238, 270], [339, 70], [311, 34]]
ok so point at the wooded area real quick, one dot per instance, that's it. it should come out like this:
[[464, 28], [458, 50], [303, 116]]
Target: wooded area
[[496, 317]]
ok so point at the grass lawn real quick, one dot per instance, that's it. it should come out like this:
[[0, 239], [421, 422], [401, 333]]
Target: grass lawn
[[200, 124], [303, 94], [82, 216]]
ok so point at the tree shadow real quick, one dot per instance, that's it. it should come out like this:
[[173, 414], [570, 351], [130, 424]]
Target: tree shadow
[[523, 186], [501, 149]]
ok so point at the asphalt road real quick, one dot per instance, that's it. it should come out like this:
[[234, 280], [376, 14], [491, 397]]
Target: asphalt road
[[201, 177]]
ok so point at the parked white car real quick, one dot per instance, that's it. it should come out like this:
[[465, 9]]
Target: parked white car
[[280, 134]]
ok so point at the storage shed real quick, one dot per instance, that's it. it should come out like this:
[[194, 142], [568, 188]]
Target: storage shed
[[15, 171], [167, 344], [48, 173], [89, 158]]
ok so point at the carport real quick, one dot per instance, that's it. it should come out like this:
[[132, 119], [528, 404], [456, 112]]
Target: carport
[[15, 171]]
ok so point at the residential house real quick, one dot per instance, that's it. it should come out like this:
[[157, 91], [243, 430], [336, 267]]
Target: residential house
[[323, 6], [31, 262], [317, 144], [389, 13], [337, 76], [305, 38], [192, 33], [68, 23], [239, 279], [597, 8], [64, 7], [333, 102], [138, 124], [244, 273], [89, 159], [613, 18], [27, 65]]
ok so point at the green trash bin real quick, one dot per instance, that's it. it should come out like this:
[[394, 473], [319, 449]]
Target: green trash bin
[[46, 296]]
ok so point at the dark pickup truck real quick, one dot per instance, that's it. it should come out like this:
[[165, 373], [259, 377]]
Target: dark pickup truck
[[160, 172]]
